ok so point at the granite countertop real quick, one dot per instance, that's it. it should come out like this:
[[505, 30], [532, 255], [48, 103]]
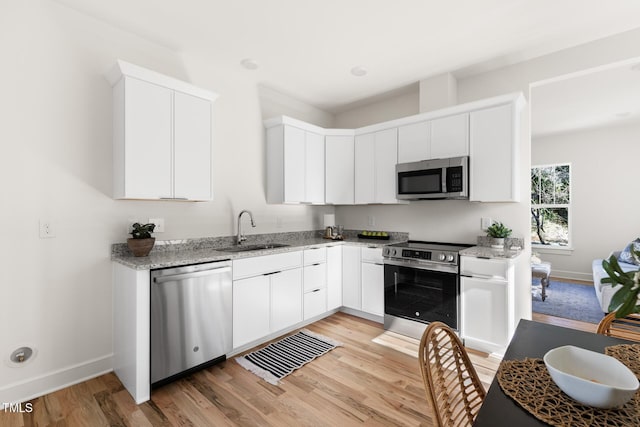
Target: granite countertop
[[512, 248], [490, 253], [197, 251]]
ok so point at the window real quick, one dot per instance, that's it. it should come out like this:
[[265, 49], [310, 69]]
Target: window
[[550, 205]]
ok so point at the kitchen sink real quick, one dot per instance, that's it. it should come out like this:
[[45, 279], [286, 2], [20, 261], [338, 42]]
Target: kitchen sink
[[257, 247]]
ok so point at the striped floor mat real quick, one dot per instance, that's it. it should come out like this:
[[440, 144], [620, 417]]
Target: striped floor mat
[[279, 359]]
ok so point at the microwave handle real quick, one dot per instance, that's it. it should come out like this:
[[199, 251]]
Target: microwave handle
[[443, 175]]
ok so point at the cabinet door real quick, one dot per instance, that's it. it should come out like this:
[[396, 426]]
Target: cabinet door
[[334, 277], [493, 159], [315, 303], [339, 170], [192, 147], [250, 309], [148, 136], [351, 286], [414, 142], [364, 169], [373, 288], [294, 160], [314, 168], [386, 157], [485, 318], [450, 136], [286, 299]]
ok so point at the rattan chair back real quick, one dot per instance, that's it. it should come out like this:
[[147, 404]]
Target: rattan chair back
[[453, 388], [627, 327]]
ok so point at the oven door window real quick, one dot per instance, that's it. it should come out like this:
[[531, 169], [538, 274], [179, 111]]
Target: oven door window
[[427, 181], [421, 295]]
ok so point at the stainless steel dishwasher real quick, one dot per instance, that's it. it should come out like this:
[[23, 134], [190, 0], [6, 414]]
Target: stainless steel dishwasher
[[190, 318]]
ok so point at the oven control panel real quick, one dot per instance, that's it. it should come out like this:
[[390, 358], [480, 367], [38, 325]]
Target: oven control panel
[[439, 256], [413, 254]]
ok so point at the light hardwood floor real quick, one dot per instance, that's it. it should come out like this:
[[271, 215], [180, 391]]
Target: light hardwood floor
[[374, 379]]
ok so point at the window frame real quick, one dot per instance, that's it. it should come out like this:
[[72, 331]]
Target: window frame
[[551, 247]]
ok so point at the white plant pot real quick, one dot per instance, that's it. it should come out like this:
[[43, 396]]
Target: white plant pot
[[497, 243]]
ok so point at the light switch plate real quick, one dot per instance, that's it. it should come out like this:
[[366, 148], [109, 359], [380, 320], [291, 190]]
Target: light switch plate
[[485, 223], [46, 229]]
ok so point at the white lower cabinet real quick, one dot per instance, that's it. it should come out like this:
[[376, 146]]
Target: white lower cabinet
[[286, 299], [270, 300], [315, 303], [334, 277], [373, 288], [315, 282], [251, 309], [351, 287], [487, 303]]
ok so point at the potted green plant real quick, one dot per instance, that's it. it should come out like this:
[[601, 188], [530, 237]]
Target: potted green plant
[[624, 301], [498, 232], [141, 242]]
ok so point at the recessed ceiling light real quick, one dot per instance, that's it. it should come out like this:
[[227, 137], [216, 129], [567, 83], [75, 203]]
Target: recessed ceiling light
[[359, 71], [249, 64]]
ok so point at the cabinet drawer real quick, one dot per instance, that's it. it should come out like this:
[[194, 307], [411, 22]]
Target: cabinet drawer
[[489, 268], [315, 255], [315, 276], [315, 303], [254, 266], [372, 255]]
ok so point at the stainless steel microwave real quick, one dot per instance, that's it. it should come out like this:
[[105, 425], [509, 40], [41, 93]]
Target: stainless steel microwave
[[433, 179]]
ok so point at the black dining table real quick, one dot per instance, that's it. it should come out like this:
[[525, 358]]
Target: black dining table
[[532, 340]]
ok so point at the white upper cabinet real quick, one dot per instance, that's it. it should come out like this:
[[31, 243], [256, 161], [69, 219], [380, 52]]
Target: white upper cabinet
[[295, 165], [493, 169], [450, 136], [192, 151], [365, 175], [314, 168], [162, 136], [386, 158], [376, 155], [339, 169], [414, 142]]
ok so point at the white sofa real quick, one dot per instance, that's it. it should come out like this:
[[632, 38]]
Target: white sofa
[[604, 291]]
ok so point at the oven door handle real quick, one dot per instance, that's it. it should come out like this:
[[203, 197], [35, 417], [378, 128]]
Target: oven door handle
[[446, 268], [395, 282]]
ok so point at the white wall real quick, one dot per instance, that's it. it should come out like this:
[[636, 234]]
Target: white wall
[[406, 104], [603, 203], [55, 136]]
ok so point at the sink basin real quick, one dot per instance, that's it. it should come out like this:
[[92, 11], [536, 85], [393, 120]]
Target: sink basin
[[257, 247]]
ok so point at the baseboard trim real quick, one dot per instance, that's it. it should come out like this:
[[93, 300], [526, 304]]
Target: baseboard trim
[[53, 381], [571, 275]]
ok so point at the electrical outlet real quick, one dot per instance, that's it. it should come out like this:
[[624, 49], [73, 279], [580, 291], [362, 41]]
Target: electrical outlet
[[485, 223], [371, 221], [46, 229], [159, 222]]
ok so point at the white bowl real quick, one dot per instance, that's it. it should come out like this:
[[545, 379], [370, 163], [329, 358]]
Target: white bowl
[[591, 378]]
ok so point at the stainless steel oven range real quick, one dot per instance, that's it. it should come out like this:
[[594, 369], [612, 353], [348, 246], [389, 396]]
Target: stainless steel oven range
[[421, 285]]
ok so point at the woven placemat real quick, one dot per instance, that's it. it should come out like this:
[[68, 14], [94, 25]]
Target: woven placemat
[[529, 384], [628, 354]]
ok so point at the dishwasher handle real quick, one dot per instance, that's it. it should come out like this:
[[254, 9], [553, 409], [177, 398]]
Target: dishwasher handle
[[174, 277]]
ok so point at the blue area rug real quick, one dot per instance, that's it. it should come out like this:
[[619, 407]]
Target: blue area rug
[[568, 300]]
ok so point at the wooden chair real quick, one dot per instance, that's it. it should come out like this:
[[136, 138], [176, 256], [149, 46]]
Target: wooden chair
[[627, 328], [453, 388]]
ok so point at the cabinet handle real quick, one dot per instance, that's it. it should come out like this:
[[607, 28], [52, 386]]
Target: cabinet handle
[[273, 272], [316, 290]]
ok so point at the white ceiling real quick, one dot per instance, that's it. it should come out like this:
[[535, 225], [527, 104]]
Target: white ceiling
[[601, 98], [306, 48]]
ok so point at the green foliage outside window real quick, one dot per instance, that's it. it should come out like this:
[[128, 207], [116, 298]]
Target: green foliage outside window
[[550, 202]]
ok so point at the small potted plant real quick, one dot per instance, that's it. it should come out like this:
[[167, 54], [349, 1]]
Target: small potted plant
[[625, 300], [141, 242], [498, 232]]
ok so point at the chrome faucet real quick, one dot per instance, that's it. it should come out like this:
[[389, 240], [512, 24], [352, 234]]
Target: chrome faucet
[[240, 237]]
